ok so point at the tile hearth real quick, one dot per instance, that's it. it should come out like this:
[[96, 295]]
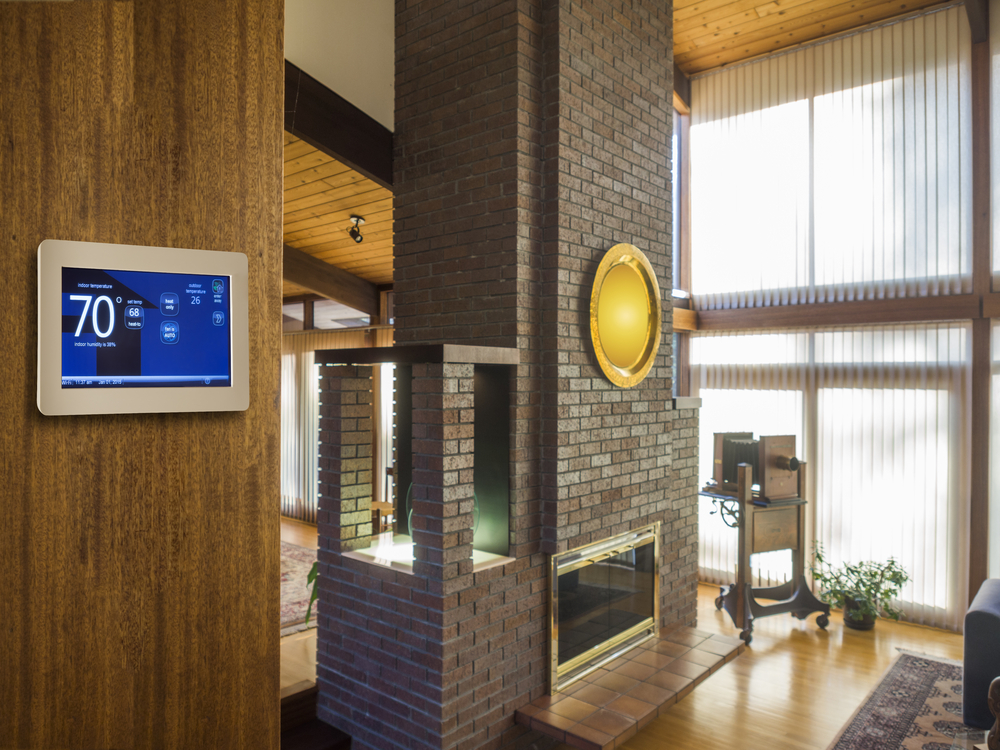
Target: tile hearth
[[608, 706]]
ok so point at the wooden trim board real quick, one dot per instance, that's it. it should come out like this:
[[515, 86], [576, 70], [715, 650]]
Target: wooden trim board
[[421, 354], [910, 310]]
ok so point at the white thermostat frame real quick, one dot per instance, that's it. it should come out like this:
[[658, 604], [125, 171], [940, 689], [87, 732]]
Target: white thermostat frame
[[53, 399]]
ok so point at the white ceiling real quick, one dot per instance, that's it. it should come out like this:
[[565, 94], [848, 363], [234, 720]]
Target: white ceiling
[[349, 47]]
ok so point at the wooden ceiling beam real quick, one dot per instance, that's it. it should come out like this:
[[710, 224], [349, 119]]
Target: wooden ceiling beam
[[336, 127], [331, 282]]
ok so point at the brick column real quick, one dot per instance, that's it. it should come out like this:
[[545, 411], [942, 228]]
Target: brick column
[[530, 138], [442, 474], [679, 575], [345, 457]]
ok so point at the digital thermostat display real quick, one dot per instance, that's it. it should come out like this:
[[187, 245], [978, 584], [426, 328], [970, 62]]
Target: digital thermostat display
[[133, 329]]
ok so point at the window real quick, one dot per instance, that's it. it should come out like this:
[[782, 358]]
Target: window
[[843, 170], [880, 416]]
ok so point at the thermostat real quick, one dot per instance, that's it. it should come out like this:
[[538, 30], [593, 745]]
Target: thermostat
[[124, 329]]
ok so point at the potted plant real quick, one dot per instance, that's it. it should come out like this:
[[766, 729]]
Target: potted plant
[[862, 590], [311, 583]]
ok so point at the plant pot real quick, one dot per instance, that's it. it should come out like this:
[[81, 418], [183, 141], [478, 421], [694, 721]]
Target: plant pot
[[867, 622]]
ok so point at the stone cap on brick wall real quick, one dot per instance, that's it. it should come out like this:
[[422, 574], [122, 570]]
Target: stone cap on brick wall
[[687, 402], [424, 354]]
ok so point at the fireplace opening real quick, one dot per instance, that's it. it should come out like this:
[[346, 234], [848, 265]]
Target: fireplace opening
[[604, 601]]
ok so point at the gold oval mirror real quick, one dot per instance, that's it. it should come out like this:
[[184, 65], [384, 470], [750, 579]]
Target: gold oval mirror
[[625, 315]]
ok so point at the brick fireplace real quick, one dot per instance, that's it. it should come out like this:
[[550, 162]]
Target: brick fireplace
[[530, 138]]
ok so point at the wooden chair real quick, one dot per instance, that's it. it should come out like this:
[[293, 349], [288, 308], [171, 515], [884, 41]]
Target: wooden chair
[[382, 514]]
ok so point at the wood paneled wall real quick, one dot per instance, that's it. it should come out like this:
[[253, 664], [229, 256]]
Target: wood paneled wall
[[139, 553]]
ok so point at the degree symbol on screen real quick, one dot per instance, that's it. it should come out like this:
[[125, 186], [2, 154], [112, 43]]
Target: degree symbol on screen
[[119, 300]]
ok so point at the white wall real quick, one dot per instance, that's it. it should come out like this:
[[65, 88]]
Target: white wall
[[350, 47]]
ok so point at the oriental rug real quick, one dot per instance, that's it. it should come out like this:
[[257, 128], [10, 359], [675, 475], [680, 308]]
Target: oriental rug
[[295, 564], [916, 706]]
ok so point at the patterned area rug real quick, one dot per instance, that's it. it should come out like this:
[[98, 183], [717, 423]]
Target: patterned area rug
[[916, 706], [295, 564]]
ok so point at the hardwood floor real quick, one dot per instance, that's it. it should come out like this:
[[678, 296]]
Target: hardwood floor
[[299, 532], [791, 690], [298, 661]]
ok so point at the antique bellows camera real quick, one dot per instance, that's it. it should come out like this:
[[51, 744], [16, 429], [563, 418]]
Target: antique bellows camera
[[772, 458]]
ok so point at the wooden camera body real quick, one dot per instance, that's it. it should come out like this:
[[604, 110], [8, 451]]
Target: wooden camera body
[[775, 467]]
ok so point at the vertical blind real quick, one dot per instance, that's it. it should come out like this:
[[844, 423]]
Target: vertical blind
[[300, 412], [881, 417], [843, 170]]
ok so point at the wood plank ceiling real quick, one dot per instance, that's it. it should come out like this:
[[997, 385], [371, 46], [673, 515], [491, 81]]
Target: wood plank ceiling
[[710, 34], [321, 194]]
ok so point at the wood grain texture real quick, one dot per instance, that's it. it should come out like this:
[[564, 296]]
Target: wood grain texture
[[991, 305], [982, 279], [307, 272], [979, 479], [683, 355], [953, 307], [684, 320], [321, 194], [793, 689], [709, 34], [139, 553]]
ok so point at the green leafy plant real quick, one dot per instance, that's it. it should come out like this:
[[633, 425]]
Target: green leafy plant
[[311, 582], [871, 585]]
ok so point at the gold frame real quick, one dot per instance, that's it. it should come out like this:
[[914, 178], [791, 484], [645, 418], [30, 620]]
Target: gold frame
[[562, 676], [635, 373]]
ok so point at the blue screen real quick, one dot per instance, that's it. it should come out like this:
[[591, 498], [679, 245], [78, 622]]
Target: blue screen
[[133, 329]]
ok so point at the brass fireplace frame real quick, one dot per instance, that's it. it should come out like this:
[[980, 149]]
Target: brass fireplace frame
[[562, 676]]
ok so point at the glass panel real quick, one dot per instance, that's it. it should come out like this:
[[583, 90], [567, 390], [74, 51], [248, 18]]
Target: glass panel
[[885, 410], [601, 601], [884, 476], [291, 316], [328, 314], [872, 200]]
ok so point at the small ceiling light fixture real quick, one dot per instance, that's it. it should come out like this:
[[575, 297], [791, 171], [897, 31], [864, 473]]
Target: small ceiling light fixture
[[355, 232]]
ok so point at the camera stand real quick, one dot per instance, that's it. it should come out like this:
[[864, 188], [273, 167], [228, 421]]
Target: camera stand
[[766, 527]]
